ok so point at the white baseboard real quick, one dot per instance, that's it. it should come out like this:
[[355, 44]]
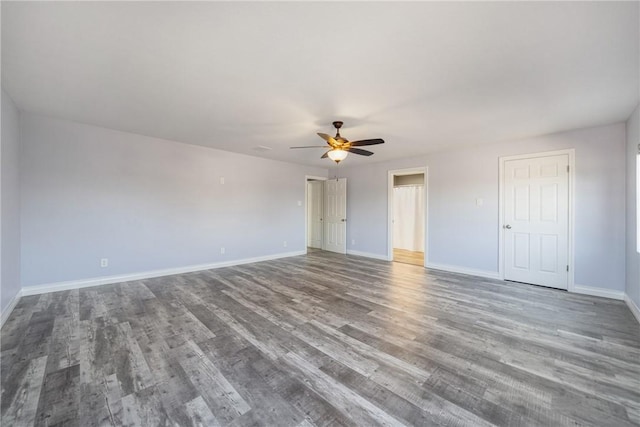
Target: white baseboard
[[97, 281], [597, 292], [632, 306], [367, 255], [463, 270], [7, 311]]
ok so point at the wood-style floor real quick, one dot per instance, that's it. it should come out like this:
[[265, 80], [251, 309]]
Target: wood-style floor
[[322, 339], [408, 257]]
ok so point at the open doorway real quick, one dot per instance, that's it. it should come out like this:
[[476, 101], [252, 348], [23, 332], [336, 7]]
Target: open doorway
[[315, 212], [407, 216]]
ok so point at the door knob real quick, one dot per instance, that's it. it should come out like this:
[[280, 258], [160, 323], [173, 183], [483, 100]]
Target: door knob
[[508, 227], [343, 220]]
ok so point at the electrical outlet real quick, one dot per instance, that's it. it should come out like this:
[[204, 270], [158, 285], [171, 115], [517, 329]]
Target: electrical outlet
[[222, 250], [222, 180], [299, 202], [104, 262], [284, 243], [353, 242]]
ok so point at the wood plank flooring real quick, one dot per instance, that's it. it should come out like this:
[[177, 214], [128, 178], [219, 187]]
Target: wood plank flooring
[[408, 257], [322, 339]]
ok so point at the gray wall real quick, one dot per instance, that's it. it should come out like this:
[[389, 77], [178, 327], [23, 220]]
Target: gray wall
[[633, 258], [464, 235], [10, 203], [147, 204]]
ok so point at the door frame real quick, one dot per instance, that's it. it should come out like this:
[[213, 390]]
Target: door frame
[[306, 209], [571, 243], [408, 171]]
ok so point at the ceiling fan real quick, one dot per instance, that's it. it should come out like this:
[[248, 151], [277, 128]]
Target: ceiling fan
[[340, 147]]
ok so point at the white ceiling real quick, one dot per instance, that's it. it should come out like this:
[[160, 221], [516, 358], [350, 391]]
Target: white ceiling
[[423, 76]]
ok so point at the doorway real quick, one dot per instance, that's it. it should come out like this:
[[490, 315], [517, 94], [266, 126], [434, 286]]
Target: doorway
[[537, 219], [407, 201], [315, 209], [326, 214]]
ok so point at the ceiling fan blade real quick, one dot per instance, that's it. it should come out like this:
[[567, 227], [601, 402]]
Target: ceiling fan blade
[[328, 138], [311, 146], [367, 142], [359, 151], [325, 155]]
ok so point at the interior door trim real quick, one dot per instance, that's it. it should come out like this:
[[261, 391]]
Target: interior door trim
[[571, 243]]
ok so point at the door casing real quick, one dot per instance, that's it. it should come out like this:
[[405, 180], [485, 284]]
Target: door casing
[[501, 209]]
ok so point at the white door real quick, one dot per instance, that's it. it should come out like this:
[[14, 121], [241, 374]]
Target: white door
[[315, 214], [536, 220], [335, 215]]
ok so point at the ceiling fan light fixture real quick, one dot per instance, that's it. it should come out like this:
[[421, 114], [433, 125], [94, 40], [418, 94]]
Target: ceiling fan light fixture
[[339, 147], [337, 155]]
